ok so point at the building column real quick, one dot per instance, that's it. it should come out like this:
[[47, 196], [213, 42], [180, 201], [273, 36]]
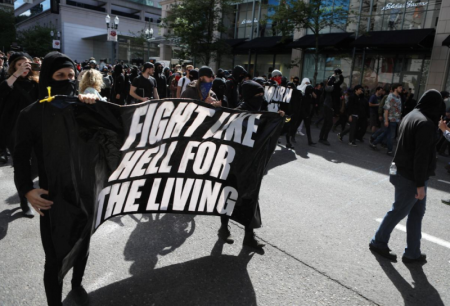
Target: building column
[[439, 64], [108, 8], [296, 56]]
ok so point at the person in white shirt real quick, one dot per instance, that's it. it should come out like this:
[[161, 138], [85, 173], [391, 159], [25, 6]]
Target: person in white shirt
[[184, 81]]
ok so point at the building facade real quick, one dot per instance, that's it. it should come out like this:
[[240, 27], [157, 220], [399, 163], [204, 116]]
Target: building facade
[[384, 42], [83, 31]]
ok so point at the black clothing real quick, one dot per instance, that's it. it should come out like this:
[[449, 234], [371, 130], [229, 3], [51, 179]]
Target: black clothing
[[3, 74], [119, 86], [161, 81], [232, 92], [145, 87], [415, 156], [336, 82], [328, 114], [304, 113], [219, 87], [12, 101]]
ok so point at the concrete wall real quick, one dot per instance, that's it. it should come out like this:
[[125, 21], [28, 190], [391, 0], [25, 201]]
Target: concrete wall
[[439, 65]]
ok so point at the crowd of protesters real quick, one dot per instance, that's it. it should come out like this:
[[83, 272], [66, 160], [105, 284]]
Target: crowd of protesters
[[356, 111]]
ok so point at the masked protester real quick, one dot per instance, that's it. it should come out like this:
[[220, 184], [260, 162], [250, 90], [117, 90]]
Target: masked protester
[[174, 84], [296, 81], [58, 72], [161, 81], [221, 74], [306, 105], [415, 159], [233, 82], [201, 89], [277, 76], [253, 100], [118, 91], [219, 87], [16, 93]]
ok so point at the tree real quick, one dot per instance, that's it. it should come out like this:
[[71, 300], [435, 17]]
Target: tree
[[196, 27], [7, 29], [315, 16], [37, 40]]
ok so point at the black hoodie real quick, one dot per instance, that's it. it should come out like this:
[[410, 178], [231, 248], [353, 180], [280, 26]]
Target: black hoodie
[[415, 156], [161, 81]]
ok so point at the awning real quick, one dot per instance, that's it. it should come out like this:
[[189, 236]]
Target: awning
[[446, 42], [234, 42], [264, 43], [396, 39], [325, 40]]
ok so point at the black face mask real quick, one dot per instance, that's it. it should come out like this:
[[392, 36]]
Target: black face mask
[[65, 88], [256, 103]]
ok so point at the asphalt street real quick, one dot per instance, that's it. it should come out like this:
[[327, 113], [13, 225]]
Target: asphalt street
[[320, 207]]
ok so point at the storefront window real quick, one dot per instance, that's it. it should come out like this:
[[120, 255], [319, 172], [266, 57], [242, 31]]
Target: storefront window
[[264, 64], [390, 15]]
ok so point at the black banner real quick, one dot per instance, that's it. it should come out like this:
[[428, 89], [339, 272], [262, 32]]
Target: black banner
[[279, 97], [188, 157], [170, 156]]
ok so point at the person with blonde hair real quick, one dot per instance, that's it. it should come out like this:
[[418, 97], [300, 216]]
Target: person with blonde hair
[[92, 83]]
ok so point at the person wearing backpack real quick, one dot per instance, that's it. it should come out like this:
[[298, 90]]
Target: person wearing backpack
[[184, 81]]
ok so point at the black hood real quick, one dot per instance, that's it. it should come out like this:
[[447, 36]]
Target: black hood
[[48, 67], [219, 87], [237, 71], [432, 105]]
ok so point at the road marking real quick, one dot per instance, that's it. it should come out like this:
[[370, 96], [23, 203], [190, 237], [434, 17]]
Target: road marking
[[444, 182], [424, 236]]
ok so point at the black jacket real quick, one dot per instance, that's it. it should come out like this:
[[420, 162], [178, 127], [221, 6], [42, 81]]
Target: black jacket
[[357, 105], [12, 101], [232, 92], [415, 156]]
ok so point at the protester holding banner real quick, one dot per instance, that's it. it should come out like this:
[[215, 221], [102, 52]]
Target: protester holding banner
[[233, 82], [58, 72], [219, 87], [16, 93], [253, 100], [330, 102], [144, 86]]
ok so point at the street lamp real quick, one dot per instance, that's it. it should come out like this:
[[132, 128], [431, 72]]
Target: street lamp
[[112, 26], [148, 37]]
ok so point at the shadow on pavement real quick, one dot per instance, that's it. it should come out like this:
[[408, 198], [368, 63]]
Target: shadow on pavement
[[281, 157], [421, 292], [14, 199], [212, 280], [7, 217]]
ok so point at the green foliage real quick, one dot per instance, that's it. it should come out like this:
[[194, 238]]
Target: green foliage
[[7, 29], [36, 40], [196, 26]]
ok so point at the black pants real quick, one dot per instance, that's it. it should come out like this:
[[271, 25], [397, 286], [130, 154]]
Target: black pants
[[362, 128], [225, 219], [327, 123], [352, 129], [342, 122], [53, 288], [307, 124]]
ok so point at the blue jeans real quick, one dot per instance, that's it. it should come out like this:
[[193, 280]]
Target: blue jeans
[[389, 133], [405, 204]]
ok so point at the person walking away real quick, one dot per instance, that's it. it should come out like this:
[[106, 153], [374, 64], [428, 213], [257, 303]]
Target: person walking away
[[253, 100], [343, 116], [355, 108], [184, 81], [219, 87], [415, 159], [332, 88], [305, 110], [118, 91], [337, 92], [232, 83], [18, 91], [144, 86], [392, 117], [58, 72], [92, 83], [374, 103]]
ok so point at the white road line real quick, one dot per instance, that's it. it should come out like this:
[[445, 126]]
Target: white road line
[[424, 236], [444, 182]]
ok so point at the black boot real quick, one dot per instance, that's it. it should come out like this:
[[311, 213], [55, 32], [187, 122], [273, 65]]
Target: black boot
[[251, 241], [225, 234], [293, 139], [26, 208]]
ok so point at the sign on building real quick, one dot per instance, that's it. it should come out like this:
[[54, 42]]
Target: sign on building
[[56, 44], [112, 35]]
